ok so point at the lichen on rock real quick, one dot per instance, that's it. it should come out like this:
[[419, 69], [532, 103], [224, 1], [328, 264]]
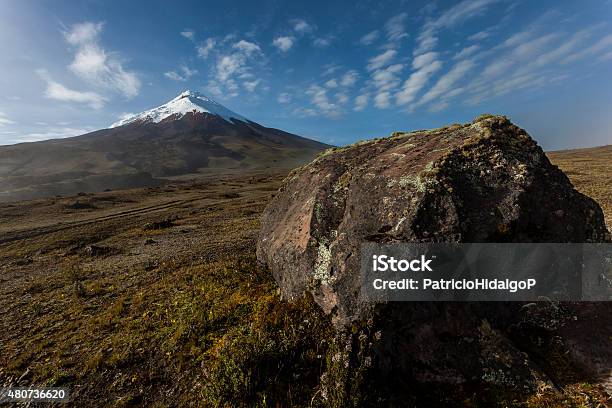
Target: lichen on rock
[[458, 183], [485, 181]]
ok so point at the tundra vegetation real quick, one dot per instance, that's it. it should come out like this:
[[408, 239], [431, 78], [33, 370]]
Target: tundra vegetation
[[175, 311]]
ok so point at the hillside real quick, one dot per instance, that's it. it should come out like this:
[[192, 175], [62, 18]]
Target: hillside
[[189, 135]]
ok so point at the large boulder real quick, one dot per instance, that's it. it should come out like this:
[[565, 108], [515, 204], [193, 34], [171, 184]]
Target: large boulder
[[486, 181]]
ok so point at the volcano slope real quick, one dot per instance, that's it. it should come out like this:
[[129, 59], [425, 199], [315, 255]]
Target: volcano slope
[[181, 138], [153, 297]]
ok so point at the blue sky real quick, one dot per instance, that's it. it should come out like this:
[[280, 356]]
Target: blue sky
[[334, 71]]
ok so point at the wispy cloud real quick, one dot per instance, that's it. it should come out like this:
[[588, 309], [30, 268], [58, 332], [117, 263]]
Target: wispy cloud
[[381, 60], [234, 65], [330, 69], [395, 27], [284, 98], [349, 78], [446, 82], [386, 79], [301, 26], [185, 74], [96, 65], [424, 65], [251, 85], [466, 52], [59, 92], [189, 34], [322, 42], [332, 83], [319, 98], [205, 48], [284, 44], [369, 38], [479, 36], [361, 102], [51, 133], [4, 120], [467, 9], [603, 44]]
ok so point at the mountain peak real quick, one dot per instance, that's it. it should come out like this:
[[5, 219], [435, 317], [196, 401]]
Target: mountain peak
[[188, 93], [186, 102]]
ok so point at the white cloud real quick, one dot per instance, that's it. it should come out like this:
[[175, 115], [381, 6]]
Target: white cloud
[[234, 65], [564, 49], [301, 26], [4, 120], [205, 48], [322, 42], [186, 74], [284, 44], [349, 78], [369, 38], [319, 98], [83, 33], [381, 60], [95, 65], [247, 47], [479, 36], [534, 46], [173, 76], [395, 27], [214, 88], [425, 66], [466, 52], [52, 133], [382, 100], [525, 49], [361, 101], [305, 112], [251, 85], [342, 98], [425, 41], [188, 34], [228, 65], [332, 83], [461, 12], [387, 78], [284, 98], [467, 9], [59, 92], [330, 69], [446, 82], [437, 107], [599, 46], [422, 60]]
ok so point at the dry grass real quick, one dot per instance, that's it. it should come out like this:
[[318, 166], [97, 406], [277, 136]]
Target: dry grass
[[590, 170], [179, 315]]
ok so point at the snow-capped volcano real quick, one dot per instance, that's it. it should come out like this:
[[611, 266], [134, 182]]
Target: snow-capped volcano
[[189, 136], [187, 102]]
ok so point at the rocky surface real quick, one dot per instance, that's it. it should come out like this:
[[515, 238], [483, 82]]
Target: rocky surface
[[486, 181]]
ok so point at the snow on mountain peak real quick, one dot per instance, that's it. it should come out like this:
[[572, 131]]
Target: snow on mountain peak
[[187, 102]]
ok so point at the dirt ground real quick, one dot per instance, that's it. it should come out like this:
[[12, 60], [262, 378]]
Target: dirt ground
[[124, 296]]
